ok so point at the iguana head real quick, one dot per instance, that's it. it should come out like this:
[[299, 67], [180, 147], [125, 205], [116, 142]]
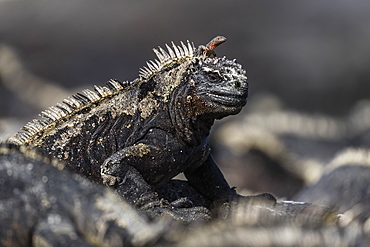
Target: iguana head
[[198, 82], [220, 86]]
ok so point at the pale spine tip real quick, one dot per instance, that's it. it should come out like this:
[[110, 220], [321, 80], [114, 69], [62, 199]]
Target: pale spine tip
[[159, 55], [170, 51], [186, 51], [177, 53], [164, 53]]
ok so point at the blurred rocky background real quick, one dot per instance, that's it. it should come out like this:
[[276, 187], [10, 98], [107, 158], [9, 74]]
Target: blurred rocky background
[[308, 66]]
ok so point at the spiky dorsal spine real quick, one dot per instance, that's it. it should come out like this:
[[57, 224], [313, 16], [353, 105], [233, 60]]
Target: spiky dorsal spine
[[167, 58], [68, 107]]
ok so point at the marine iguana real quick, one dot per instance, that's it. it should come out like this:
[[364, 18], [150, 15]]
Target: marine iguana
[[135, 136]]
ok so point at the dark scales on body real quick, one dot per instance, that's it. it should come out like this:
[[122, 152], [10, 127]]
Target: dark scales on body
[[136, 136]]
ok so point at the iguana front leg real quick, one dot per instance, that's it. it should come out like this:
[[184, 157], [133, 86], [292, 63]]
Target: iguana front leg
[[210, 182], [119, 172]]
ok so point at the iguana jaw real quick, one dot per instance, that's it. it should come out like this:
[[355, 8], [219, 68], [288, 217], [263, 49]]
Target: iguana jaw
[[228, 97]]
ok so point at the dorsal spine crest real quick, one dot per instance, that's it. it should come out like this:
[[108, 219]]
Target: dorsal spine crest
[[69, 106], [167, 58]]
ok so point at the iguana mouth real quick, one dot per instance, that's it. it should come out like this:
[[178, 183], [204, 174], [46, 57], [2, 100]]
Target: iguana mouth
[[228, 97]]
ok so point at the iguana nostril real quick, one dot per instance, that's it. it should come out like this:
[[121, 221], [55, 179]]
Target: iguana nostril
[[237, 84]]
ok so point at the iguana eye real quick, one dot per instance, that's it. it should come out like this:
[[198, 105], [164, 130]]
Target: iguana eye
[[213, 77]]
